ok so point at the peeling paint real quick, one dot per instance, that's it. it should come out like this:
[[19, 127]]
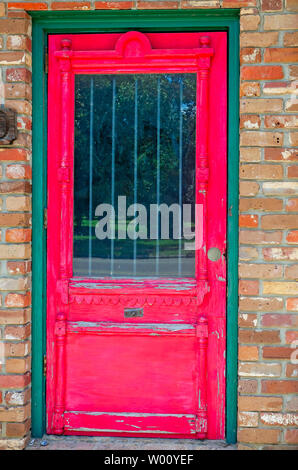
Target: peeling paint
[[136, 326]]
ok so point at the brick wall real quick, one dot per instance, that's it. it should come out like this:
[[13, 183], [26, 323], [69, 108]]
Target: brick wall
[[268, 291]]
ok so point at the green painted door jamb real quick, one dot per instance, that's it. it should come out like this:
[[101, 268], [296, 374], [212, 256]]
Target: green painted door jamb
[[45, 23]]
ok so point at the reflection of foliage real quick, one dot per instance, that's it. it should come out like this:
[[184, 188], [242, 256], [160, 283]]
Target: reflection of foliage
[[124, 140]]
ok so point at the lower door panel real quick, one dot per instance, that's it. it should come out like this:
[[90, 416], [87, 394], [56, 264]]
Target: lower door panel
[[131, 378]]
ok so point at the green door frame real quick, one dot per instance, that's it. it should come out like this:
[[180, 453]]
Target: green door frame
[[45, 23]]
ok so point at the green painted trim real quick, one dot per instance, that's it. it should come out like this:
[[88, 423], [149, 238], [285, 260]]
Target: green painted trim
[[232, 235], [117, 21], [39, 188]]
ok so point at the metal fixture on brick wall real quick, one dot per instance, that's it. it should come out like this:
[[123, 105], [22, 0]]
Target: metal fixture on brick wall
[[8, 125]]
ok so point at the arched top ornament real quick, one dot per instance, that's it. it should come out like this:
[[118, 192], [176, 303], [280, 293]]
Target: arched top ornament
[[133, 44], [135, 49]]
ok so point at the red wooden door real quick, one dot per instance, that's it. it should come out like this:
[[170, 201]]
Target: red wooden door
[[136, 326]]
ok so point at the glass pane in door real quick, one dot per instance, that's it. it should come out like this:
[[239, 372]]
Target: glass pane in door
[[134, 175]]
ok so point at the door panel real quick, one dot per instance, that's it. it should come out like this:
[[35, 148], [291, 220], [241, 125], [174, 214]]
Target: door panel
[[136, 326]]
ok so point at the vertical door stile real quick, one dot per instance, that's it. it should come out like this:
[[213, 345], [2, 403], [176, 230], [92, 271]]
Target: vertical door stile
[[91, 175], [157, 175], [65, 262], [202, 175]]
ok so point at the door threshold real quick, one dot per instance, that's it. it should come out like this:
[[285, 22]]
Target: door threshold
[[51, 442]]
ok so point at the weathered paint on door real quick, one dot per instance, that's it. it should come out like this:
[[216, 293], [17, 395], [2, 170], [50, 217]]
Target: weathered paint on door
[[161, 374]]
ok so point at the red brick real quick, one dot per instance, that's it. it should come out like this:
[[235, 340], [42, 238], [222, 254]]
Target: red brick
[[247, 386], [248, 353], [276, 352], [17, 365], [238, 3], [248, 188], [293, 72], [283, 221], [18, 235], [260, 105], [14, 220], [14, 26], [14, 317], [291, 436], [248, 220], [280, 122], [292, 336], [259, 337], [18, 75], [15, 187], [259, 39], [292, 304], [18, 300], [18, 429], [24, 123], [250, 55], [114, 5], [259, 237], [247, 419], [260, 304], [259, 436], [260, 204], [272, 5], [248, 287], [260, 271], [21, 107], [292, 236], [249, 154], [249, 121], [263, 171], [279, 88], [152, 5], [17, 349], [280, 253], [18, 14], [282, 387], [15, 381], [279, 320], [249, 22], [250, 89], [292, 5], [247, 320], [17, 398], [291, 39], [292, 369], [279, 419], [13, 154], [260, 403], [185, 4], [291, 272], [18, 172], [284, 154], [293, 138], [258, 369], [261, 72], [292, 205], [280, 22], [27, 6], [18, 267], [278, 55], [70, 5], [18, 42]]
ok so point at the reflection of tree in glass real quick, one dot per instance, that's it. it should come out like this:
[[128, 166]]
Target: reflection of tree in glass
[[124, 140]]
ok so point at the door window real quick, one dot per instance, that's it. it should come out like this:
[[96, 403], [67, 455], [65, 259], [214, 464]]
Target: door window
[[134, 173]]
